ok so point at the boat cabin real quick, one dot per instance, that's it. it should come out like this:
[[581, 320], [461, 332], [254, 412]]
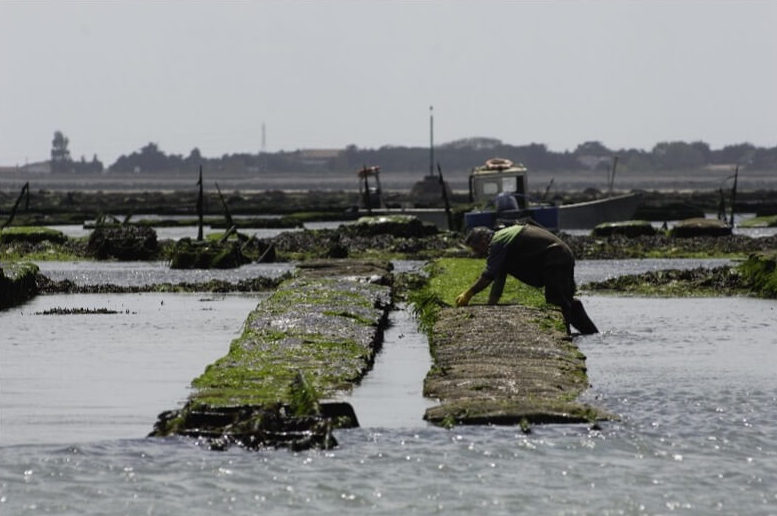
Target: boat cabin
[[497, 176], [370, 194]]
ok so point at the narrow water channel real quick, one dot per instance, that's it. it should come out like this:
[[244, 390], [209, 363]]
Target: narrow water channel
[[391, 395]]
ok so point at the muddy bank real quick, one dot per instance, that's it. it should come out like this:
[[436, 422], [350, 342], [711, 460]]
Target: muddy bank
[[347, 242], [352, 242], [45, 285], [315, 336], [505, 365], [664, 246], [756, 276], [701, 281]]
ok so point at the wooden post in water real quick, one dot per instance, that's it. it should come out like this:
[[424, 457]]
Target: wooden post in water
[[199, 208], [612, 173], [734, 197], [431, 141], [445, 198], [227, 214], [367, 200], [25, 190]]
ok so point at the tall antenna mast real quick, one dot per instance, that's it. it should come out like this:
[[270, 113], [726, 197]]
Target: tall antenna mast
[[263, 163], [431, 140]]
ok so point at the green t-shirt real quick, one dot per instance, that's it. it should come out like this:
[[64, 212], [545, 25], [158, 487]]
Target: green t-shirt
[[524, 251]]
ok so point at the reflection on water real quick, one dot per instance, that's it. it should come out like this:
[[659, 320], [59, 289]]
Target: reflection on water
[[691, 379]]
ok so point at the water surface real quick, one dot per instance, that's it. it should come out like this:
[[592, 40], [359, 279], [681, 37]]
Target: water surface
[[692, 380]]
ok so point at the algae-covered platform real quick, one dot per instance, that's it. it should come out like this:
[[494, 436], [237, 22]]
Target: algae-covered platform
[[315, 336], [506, 364]]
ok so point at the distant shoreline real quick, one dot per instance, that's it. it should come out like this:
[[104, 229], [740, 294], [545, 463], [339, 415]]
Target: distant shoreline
[[563, 181]]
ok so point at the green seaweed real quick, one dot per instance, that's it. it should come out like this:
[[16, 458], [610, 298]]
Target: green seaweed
[[266, 362], [764, 221], [760, 273], [31, 234], [448, 277]]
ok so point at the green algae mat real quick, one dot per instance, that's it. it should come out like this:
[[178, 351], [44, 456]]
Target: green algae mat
[[315, 336]]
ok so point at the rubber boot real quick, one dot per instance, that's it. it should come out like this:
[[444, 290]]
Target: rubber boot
[[580, 320]]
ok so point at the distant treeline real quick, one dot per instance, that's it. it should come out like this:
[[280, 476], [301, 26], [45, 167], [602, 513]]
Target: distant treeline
[[458, 155]]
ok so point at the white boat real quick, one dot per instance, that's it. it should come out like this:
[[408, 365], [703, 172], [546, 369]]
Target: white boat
[[504, 186]]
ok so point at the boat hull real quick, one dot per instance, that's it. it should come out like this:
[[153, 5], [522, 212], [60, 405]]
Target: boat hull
[[583, 215], [587, 215]]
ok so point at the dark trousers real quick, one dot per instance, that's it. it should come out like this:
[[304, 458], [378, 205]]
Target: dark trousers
[[559, 283]]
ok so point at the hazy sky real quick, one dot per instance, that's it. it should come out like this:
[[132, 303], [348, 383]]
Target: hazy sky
[[116, 75]]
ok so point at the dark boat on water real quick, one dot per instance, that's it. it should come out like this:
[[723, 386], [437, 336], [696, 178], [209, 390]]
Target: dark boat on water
[[503, 186]]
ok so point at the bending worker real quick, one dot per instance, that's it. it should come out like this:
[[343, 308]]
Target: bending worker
[[534, 256]]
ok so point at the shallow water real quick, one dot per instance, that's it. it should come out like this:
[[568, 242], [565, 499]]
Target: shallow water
[[84, 377], [693, 381], [394, 380], [149, 273]]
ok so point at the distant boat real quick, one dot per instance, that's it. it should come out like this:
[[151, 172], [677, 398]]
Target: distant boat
[[503, 185]]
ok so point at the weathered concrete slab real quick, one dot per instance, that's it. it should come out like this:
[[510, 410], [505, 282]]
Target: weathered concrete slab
[[505, 365], [317, 334]]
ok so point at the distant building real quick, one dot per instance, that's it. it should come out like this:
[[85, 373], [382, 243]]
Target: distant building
[[317, 157], [40, 167]]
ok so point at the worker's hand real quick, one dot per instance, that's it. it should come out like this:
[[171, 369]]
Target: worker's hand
[[463, 298]]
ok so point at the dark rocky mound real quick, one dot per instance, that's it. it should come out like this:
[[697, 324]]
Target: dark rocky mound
[[660, 244], [629, 228], [17, 284], [697, 227], [191, 254], [123, 243]]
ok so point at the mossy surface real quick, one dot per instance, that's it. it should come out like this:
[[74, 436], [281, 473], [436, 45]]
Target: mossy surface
[[760, 273], [449, 277], [325, 329], [755, 276], [31, 234], [765, 221], [71, 250], [314, 336]]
